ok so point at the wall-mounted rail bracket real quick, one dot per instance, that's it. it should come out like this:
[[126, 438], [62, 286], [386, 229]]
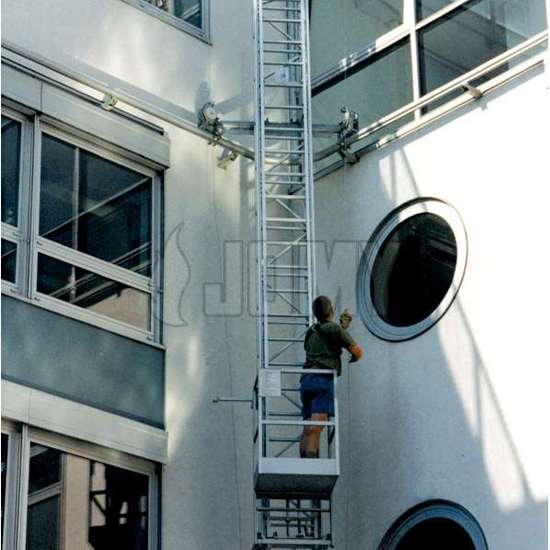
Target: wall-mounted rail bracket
[[108, 102], [209, 121], [219, 399], [226, 158], [348, 127], [476, 93]]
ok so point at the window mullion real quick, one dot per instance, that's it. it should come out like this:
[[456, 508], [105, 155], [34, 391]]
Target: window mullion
[[95, 265], [23, 488], [34, 212], [415, 66]]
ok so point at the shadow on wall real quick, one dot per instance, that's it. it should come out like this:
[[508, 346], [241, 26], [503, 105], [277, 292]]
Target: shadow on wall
[[429, 424]]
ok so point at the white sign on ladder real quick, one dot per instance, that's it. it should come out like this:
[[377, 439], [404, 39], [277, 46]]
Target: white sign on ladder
[[270, 383]]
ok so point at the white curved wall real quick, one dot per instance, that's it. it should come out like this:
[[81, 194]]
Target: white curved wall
[[456, 413]]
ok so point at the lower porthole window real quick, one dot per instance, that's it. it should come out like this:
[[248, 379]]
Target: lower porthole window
[[434, 525], [411, 269]]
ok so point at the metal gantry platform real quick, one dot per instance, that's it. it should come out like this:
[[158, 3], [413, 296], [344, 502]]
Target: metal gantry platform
[[293, 507]]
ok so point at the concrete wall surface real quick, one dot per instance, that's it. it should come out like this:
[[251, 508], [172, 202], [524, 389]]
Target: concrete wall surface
[[456, 413]]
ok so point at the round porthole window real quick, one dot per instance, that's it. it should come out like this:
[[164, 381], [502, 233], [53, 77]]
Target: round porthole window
[[411, 269], [434, 525]]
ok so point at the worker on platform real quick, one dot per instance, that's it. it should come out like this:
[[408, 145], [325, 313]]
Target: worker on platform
[[324, 342]]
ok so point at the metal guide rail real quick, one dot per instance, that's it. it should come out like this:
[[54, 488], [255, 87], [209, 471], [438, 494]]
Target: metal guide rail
[[292, 494]]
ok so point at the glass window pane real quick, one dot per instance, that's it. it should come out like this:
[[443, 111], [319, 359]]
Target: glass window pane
[[425, 8], [95, 206], [9, 260], [43, 524], [85, 504], [413, 270], [85, 289], [11, 161], [341, 28], [118, 501], [190, 11], [473, 34], [373, 90]]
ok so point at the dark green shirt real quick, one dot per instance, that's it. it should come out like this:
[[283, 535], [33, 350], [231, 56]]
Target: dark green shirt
[[324, 343]]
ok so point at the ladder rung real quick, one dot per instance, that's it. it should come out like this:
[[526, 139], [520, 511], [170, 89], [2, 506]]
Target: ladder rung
[[284, 228], [295, 52], [273, 129], [285, 243], [288, 323], [273, 339], [282, 20], [287, 85], [285, 42], [290, 220], [287, 316], [287, 174], [286, 197], [281, 509], [287, 267], [301, 183], [286, 364], [285, 107], [282, 8], [289, 543], [285, 138], [284, 63], [290, 183], [286, 291]]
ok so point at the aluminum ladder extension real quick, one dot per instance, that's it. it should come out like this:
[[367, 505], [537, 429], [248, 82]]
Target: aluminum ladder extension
[[285, 233]]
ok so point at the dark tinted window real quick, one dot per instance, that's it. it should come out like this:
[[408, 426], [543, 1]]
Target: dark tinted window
[[95, 206], [11, 159], [436, 534], [9, 253], [413, 270]]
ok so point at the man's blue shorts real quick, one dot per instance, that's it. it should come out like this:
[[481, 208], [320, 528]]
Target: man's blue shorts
[[317, 393]]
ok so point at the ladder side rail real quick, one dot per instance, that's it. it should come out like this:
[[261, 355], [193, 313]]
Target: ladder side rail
[[308, 161]]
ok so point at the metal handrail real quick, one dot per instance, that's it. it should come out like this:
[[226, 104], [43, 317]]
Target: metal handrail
[[436, 94], [165, 114]]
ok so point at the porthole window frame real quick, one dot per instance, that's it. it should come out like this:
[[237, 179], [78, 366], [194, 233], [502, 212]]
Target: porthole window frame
[[434, 509], [367, 310]]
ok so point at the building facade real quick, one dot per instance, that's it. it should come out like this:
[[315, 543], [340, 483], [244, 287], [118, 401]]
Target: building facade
[[128, 270]]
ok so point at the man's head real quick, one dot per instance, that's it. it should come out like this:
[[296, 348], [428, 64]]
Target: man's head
[[322, 309]]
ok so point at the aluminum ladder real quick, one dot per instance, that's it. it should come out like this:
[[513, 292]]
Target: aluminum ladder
[[292, 495]]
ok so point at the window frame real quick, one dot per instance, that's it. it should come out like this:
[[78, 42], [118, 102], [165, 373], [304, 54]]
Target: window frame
[[31, 244], [202, 33], [18, 234], [367, 310], [19, 476], [409, 29]]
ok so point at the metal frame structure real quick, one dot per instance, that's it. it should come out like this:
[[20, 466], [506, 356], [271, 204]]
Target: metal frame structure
[[289, 491]]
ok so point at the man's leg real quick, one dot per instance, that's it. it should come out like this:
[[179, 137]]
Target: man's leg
[[312, 436]]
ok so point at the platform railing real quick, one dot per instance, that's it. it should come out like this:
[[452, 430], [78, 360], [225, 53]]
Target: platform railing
[[279, 424]]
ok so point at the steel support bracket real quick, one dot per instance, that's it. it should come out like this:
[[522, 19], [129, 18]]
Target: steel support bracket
[[108, 102], [209, 121], [476, 93], [226, 158]]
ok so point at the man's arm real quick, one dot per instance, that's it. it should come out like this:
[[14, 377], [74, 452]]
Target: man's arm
[[347, 342], [356, 353]]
